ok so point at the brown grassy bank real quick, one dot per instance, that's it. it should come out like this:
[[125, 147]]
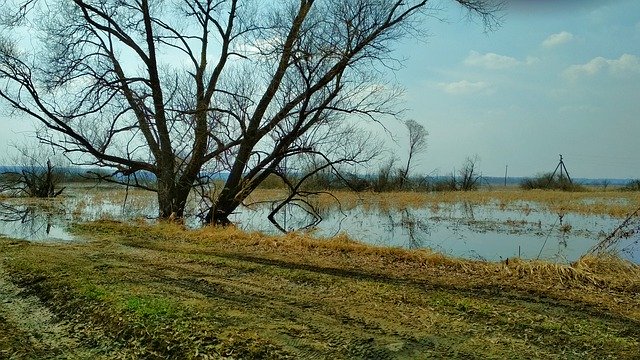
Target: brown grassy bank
[[592, 201], [164, 292]]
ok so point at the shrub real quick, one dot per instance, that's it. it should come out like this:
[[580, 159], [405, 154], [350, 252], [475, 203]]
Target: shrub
[[550, 182], [272, 182], [633, 185]]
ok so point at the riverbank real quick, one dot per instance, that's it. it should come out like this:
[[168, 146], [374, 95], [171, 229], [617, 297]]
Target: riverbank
[[160, 291]]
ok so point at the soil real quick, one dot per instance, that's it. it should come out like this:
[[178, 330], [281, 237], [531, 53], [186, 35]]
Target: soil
[[29, 330]]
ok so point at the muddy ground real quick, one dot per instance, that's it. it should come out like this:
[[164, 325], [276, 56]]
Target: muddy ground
[[29, 330]]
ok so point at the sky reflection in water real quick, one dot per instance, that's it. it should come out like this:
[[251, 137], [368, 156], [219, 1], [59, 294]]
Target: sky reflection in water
[[485, 232]]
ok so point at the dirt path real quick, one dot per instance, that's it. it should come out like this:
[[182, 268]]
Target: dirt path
[[28, 329]]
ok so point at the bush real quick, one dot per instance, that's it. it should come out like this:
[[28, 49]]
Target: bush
[[447, 184], [548, 181], [633, 185], [323, 180], [33, 181], [272, 182]]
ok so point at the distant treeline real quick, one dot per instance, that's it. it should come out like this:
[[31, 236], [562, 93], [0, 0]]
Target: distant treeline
[[375, 182], [496, 180]]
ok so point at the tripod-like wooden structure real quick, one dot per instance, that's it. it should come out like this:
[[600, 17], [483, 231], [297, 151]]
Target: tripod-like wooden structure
[[562, 169]]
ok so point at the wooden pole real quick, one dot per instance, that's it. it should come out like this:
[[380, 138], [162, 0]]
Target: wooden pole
[[506, 168]]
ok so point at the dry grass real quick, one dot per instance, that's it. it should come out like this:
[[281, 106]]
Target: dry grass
[[591, 202], [609, 271], [165, 292], [600, 276]]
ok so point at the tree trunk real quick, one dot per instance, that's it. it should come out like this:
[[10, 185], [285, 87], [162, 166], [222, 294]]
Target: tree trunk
[[172, 198], [218, 216], [235, 191], [225, 204]]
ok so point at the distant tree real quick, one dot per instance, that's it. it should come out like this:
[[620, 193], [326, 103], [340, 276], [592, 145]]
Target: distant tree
[[385, 179], [172, 87], [35, 174], [468, 175], [417, 144]]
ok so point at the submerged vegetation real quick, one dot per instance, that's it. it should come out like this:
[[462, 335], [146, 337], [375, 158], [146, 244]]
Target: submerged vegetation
[[588, 202], [160, 291]]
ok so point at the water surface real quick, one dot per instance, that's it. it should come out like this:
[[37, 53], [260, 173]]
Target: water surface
[[488, 231]]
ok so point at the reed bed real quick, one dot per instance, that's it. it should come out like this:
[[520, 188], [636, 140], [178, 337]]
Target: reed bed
[[592, 202], [601, 272]]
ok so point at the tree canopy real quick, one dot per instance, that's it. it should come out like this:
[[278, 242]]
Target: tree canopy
[[177, 88]]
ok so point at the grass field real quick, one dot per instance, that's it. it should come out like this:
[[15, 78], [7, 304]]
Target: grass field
[[159, 291]]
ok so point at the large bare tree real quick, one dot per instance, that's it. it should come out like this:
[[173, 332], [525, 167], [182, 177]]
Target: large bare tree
[[169, 87]]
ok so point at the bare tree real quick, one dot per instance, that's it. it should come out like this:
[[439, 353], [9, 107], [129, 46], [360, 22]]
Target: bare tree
[[469, 176], [417, 144], [35, 174], [348, 147], [171, 87]]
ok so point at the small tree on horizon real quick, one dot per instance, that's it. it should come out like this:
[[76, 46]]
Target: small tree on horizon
[[417, 144]]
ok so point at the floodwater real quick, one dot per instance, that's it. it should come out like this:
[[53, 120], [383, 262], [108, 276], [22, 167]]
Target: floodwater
[[484, 232], [47, 220]]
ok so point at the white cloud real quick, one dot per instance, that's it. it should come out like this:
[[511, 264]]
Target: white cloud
[[531, 60], [557, 39], [625, 65], [494, 61], [464, 87]]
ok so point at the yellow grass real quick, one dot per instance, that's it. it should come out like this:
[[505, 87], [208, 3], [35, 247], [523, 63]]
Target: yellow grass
[[593, 202], [224, 292], [602, 272]]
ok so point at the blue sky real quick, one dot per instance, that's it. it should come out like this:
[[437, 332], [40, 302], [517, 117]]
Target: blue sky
[[556, 78]]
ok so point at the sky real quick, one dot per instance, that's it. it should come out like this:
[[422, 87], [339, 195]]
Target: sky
[[557, 77]]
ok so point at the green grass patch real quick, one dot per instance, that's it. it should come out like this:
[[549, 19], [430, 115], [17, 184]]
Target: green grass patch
[[93, 292], [150, 307]]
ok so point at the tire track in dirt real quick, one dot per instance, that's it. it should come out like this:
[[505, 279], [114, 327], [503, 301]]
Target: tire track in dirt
[[501, 293], [31, 331], [190, 279]]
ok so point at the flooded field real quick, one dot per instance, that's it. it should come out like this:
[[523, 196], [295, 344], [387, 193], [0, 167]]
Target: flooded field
[[489, 230]]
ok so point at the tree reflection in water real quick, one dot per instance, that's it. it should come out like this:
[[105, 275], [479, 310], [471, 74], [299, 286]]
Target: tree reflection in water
[[417, 228], [26, 221]]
